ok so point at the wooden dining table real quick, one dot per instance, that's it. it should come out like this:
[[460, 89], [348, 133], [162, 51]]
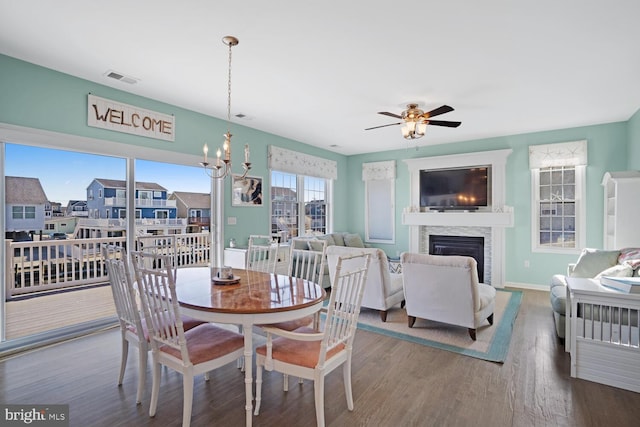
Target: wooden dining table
[[257, 299]]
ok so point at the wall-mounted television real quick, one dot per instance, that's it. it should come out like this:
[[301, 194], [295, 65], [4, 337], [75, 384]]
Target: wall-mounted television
[[455, 188]]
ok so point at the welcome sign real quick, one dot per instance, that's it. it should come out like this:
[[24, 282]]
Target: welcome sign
[[119, 117]]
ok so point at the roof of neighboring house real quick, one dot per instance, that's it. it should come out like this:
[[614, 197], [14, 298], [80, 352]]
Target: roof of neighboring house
[[282, 193], [192, 200], [21, 190], [117, 183]]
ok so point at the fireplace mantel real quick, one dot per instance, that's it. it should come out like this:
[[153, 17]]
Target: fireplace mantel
[[471, 219], [496, 217]]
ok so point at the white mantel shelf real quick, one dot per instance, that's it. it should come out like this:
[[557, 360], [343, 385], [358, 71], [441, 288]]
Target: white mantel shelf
[[469, 219]]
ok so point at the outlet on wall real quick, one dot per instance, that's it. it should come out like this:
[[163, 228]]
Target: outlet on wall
[[526, 263]]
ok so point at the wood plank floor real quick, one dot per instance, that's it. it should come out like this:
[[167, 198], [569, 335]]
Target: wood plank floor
[[395, 383]]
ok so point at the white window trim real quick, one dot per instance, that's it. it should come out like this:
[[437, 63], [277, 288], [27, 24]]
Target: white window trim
[[581, 205]]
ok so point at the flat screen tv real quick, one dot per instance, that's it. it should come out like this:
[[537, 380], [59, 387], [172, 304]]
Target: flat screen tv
[[455, 188]]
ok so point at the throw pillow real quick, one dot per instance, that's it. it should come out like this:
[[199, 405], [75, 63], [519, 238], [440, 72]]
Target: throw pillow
[[630, 256], [353, 241], [328, 238], [316, 245], [338, 238], [619, 270], [593, 261]]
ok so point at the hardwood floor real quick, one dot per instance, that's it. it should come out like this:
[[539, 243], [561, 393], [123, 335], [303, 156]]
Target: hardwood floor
[[395, 383]]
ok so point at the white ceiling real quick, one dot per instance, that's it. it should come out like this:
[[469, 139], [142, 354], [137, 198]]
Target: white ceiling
[[317, 72]]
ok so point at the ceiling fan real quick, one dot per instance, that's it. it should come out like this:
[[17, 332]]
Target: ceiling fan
[[415, 120]]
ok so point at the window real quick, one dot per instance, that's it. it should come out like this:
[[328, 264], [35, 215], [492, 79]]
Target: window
[[298, 205], [49, 227], [379, 179], [558, 197], [145, 195], [300, 193], [29, 212], [23, 212], [17, 212]]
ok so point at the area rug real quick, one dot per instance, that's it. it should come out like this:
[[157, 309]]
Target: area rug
[[492, 342]]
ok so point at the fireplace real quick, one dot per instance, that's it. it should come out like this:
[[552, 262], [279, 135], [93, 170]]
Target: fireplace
[[459, 245]]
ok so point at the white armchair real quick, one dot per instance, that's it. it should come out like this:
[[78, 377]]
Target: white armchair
[[382, 289], [446, 289]]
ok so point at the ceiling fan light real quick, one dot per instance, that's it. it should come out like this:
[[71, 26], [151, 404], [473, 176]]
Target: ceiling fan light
[[421, 129], [411, 126], [405, 131]]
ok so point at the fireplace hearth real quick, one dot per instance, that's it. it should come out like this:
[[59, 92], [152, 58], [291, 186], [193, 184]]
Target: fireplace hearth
[[459, 245]]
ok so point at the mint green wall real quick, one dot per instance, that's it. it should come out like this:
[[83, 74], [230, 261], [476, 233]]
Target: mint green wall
[[37, 97], [634, 142], [605, 145]]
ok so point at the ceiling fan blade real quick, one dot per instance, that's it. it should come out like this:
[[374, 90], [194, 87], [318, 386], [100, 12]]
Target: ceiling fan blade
[[383, 126], [444, 123], [437, 111], [386, 113]]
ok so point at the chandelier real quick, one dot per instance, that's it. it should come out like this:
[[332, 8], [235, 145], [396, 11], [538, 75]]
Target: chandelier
[[222, 166]]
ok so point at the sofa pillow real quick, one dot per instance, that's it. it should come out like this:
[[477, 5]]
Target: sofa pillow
[[338, 238], [353, 241], [593, 261], [630, 256], [316, 245], [618, 270], [300, 243], [328, 238]]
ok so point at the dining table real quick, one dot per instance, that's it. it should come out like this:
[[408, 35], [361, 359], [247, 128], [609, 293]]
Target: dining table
[[249, 298]]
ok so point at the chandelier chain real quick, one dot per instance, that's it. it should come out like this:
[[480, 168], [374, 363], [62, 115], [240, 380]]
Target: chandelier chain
[[229, 92]]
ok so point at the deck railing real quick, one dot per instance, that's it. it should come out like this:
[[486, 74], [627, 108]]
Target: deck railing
[[43, 266]]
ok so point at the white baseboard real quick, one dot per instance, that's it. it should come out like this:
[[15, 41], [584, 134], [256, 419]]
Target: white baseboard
[[530, 286]]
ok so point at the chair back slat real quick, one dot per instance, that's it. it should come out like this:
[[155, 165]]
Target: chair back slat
[[262, 254], [344, 303], [160, 301], [308, 264], [124, 293]]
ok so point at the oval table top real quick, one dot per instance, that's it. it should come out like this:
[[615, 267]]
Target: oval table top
[[257, 292]]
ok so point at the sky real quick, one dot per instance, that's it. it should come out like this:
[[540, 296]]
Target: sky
[[65, 175]]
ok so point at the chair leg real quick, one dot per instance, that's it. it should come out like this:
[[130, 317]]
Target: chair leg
[[411, 320], [402, 304], [383, 315], [472, 333], [123, 359], [285, 382], [258, 388], [155, 388], [490, 319], [187, 396], [143, 354], [348, 391], [318, 388]]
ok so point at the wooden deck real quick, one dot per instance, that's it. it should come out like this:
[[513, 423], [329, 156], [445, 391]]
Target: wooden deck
[[46, 312]]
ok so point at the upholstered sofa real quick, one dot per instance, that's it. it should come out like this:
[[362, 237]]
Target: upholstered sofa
[[382, 289], [333, 239], [592, 263]]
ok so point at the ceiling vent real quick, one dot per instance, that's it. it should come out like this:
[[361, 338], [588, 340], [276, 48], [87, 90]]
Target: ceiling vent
[[121, 77]]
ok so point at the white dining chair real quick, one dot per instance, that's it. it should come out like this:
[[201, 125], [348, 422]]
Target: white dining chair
[[310, 354], [194, 352], [307, 264], [130, 319], [133, 326], [262, 254]]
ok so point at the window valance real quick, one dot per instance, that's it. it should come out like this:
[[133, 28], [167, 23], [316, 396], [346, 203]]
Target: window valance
[[561, 154], [301, 164], [379, 170]]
